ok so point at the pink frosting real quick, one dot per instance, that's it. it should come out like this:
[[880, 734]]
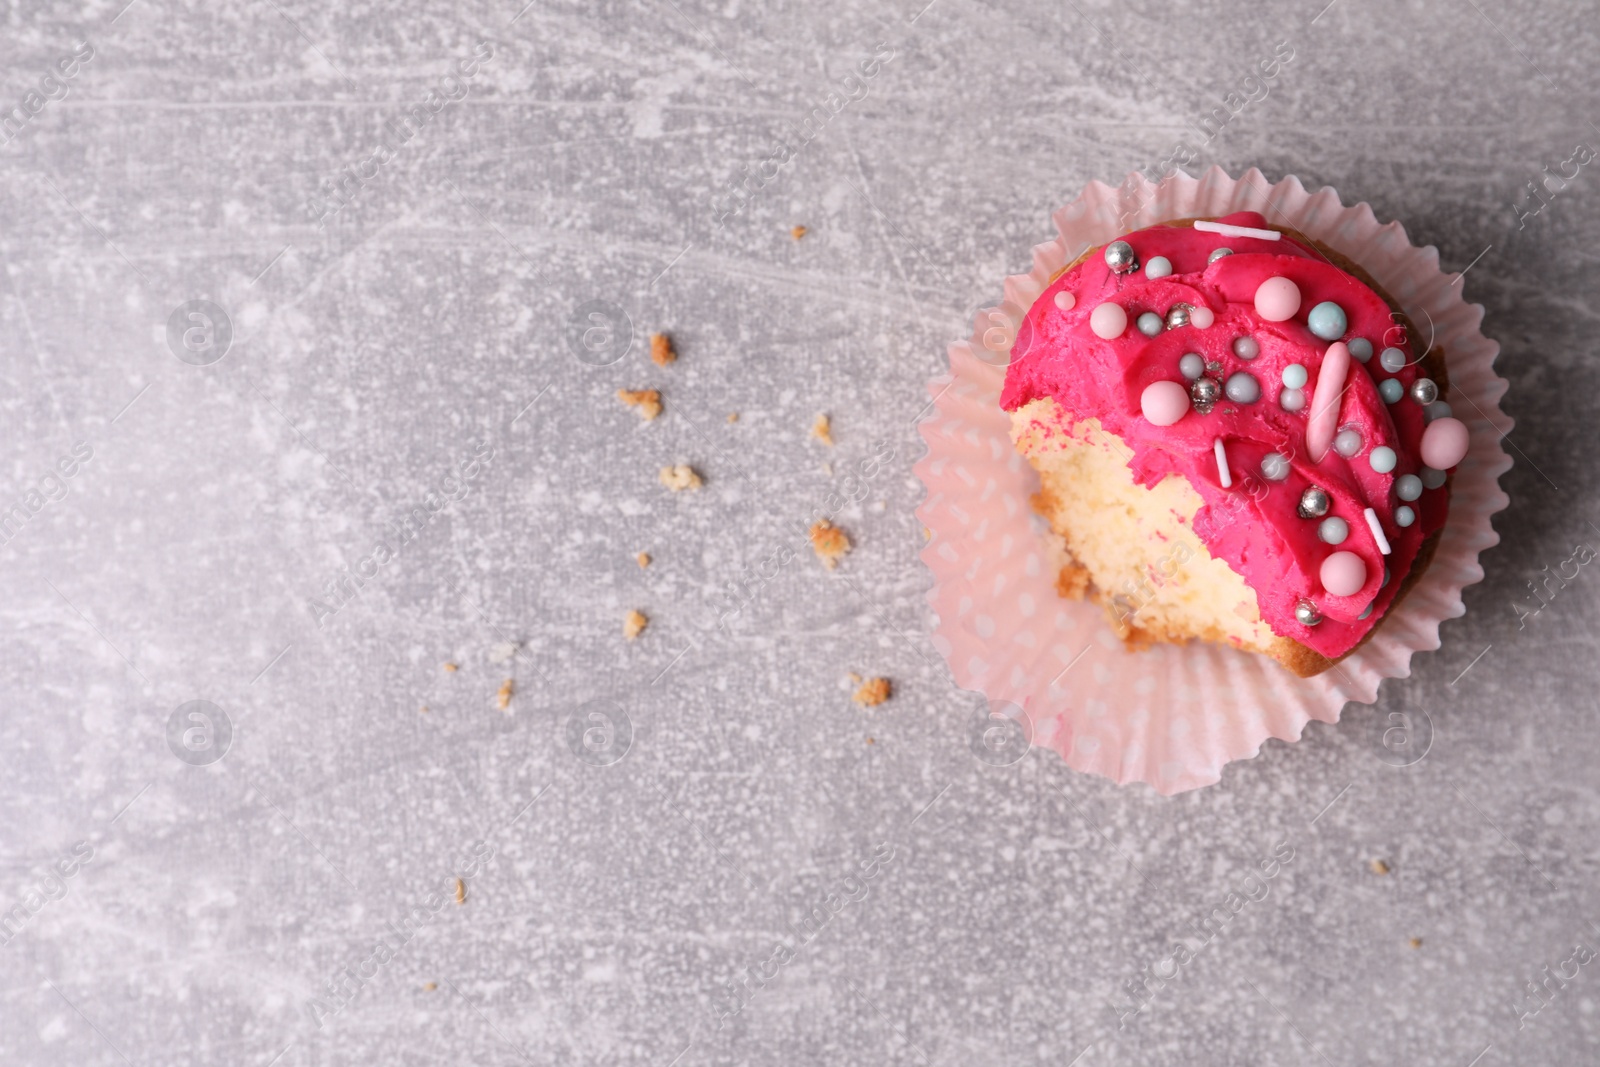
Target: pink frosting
[[1252, 525]]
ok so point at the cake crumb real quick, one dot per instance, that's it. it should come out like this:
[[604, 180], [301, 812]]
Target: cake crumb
[[647, 401], [1072, 583], [870, 741], [829, 542], [1416, 942], [423, 709], [798, 232], [661, 350], [461, 891], [429, 987], [680, 477], [733, 416], [822, 430], [502, 699], [633, 625], [451, 668], [873, 691], [642, 559], [1378, 867]]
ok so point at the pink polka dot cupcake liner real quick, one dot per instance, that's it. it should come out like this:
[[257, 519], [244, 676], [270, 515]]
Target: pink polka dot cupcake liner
[[1172, 716]]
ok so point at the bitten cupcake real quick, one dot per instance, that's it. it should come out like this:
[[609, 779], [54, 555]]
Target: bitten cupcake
[[1239, 437]]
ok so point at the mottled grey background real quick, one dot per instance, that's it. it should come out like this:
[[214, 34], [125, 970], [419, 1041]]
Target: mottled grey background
[[432, 316]]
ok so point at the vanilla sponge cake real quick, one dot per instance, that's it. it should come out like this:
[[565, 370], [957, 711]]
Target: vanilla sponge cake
[[1238, 438]]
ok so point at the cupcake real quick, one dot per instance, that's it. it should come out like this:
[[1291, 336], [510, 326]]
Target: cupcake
[[1239, 436], [1195, 481]]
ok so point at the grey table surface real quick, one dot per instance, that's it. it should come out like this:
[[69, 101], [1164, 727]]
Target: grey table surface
[[284, 894]]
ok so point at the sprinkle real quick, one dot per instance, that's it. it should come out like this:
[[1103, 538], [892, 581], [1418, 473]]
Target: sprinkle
[[1348, 442], [1295, 376], [1218, 254], [1377, 531], [1191, 365], [1325, 400], [1343, 573], [1108, 321], [1246, 347], [1158, 267], [1277, 299], [1327, 321], [1274, 466], [1292, 399], [1404, 516], [1361, 348], [1333, 530], [1242, 388], [1408, 487], [1222, 464], [1164, 403], [1432, 478], [1227, 230], [1437, 410], [1150, 324], [1391, 390], [1383, 459], [1201, 318], [1065, 300], [1392, 360]]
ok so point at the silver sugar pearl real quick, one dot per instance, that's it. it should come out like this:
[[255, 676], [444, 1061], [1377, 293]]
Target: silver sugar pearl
[[1424, 391], [1120, 257], [1177, 315], [1204, 393], [1306, 613], [1218, 254], [1313, 503]]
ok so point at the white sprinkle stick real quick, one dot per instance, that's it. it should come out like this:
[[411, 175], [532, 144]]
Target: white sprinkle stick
[[1377, 531], [1205, 226], [1222, 464]]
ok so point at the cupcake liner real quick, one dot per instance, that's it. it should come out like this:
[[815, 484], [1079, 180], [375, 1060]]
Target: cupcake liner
[[1173, 715]]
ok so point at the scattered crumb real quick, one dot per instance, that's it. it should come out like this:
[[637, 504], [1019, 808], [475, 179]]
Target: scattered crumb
[[829, 542], [855, 679], [642, 559], [680, 477], [827, 468], [502, 699], [733, 416], [634, 624], [870, 741], [451, 668], [429, 987], [1416, 942], [1072, 583], [822, 429], [461, 891], [873, 691], [661, 350], [798, 232], [1378, 867], [648, 401], [504, 652], [424, 709]]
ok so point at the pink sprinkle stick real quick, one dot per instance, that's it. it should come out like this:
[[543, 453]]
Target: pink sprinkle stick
[[1226, 230], [1325, 401]]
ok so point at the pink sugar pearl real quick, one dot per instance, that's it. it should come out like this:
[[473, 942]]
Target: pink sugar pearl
[[1201, 318], [1108, 321], [1343, 574], [1164, 403], [1444, 443], [1277, 299]]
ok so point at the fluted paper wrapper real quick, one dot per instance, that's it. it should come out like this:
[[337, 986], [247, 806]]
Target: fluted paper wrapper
[[1173, 716]]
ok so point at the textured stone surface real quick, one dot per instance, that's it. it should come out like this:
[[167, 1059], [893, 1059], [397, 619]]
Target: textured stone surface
[[431, 320]]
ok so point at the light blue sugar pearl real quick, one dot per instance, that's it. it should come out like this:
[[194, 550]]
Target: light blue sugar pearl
[[1158, 267], [1327, 321], [1408, 487], [1433, 479], [1382, 459], [1391, 360], [1436, 410], [1291, 400], [1242, 388], [1347, 442], [1150, 324], [1191, 365], [1333, 530], [1384, 584], [1360, 348], [1391, 390], [1274, 467], [1294, 376], [1366, 613], [1404, 516]]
